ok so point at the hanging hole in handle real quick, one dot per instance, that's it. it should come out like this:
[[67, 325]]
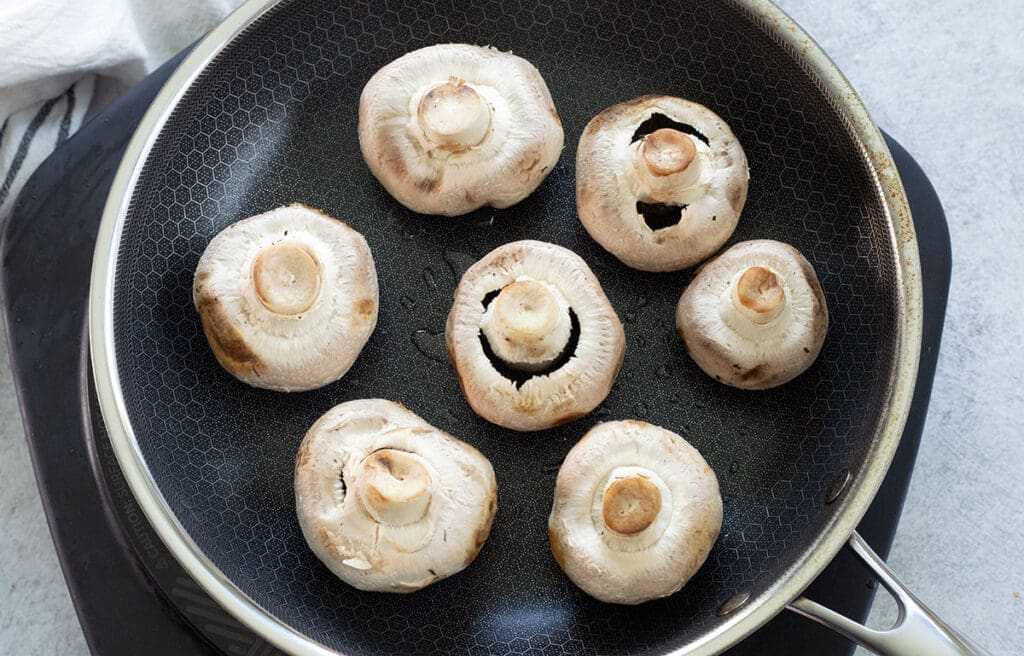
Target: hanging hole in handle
[[885, 610]]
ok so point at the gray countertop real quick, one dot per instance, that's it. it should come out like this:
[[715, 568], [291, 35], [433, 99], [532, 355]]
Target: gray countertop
[[946, 79]]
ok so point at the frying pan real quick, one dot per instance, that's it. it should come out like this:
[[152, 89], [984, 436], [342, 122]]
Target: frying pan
[[263, 113]]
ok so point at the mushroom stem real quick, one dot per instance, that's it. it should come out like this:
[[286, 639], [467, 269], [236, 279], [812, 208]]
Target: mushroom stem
[[758, 295], [667, 162], [454, 115], [287, 278], [394, 486], [527, 325], [667, 151], [630, 504]]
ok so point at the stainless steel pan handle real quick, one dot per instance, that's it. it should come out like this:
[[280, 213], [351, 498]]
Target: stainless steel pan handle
[[918, 631]]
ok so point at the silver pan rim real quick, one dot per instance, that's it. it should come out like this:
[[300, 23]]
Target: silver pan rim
[[758, 610]]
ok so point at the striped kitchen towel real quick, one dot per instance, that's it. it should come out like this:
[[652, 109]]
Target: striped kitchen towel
[[29, 135], [61, 61]]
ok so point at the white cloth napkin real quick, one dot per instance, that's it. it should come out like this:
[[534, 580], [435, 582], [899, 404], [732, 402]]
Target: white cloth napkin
[[62, 60]]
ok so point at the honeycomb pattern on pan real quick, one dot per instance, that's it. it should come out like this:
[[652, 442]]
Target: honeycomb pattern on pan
[[274, 121]]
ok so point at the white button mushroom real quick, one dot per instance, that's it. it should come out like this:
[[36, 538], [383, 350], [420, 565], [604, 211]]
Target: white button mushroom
[[287, 298], [636, 512], [453, 127], [755, 316], [533, 338], [388, 502], [660, 182]]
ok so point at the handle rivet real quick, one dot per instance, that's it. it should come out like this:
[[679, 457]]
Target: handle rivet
[[835, 490], [733, 603]]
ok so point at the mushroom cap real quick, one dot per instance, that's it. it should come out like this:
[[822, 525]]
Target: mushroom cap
[[544, 399], [755, 316], [450, 128], [667, 166], [287, 298], [388, 502], [636, 512]]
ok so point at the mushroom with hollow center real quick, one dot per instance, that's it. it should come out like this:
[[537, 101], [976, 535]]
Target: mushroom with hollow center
[[453, 127], [287, 298], [533, 338], [755, 316], [660, 182], [635, 514], [388, 502]]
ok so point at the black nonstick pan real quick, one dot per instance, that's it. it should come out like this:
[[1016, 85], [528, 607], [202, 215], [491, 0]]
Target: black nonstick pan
[[263, 113]]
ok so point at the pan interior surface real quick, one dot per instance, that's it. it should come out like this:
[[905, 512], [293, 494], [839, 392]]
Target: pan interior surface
[[272, 120]]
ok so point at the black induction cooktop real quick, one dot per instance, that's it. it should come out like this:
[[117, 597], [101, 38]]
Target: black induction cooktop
[[130, 594]]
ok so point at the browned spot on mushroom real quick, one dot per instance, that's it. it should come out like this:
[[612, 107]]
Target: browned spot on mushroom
[[529, 161], [388, 155], [525, 404], [568, 417], [302, 457], [326, 538], [736, 196], [427, 185], [753, 372], [556, 547], [365, 307], [716, 350], [384, 461], [484, 531], [200, 282], [508, 257], [226, 342]]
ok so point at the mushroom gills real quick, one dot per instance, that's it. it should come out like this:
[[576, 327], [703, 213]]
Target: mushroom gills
[[659, 121], [340, 488], [518, 375], [659, 216]]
